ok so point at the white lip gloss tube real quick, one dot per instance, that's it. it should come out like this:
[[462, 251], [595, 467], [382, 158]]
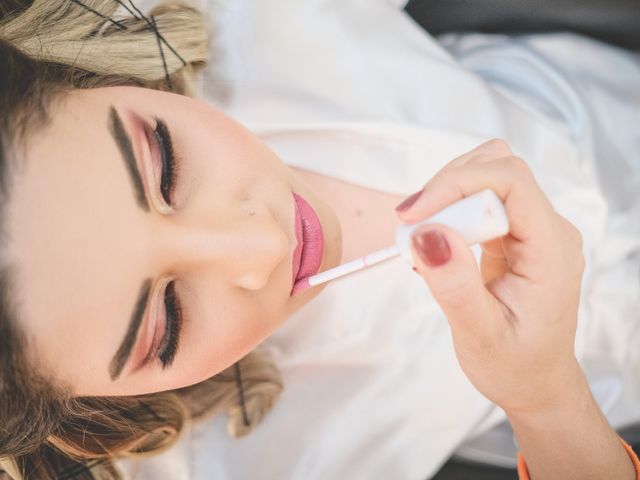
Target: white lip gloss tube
[[477, 218]]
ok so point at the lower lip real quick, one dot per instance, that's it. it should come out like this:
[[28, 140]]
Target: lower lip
[[307, 256]]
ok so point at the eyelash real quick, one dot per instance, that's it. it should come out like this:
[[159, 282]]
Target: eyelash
[[168, 161], [167, 349]]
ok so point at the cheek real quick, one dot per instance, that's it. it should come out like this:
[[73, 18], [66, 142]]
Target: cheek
[[218, 168], [225, 334]]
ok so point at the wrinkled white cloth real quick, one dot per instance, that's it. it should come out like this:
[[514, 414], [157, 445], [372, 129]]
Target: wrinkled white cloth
[[355, 90]]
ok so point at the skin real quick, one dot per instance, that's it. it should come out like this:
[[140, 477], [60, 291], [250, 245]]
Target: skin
[[83, 246]]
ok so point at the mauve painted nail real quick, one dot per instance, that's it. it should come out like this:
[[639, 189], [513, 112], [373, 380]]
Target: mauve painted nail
[[407, 202], [432, 247]]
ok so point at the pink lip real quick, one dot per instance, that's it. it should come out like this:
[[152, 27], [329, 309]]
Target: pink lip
[[307, 255]]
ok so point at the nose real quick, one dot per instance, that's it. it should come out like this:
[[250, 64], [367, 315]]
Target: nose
[[244, 247]]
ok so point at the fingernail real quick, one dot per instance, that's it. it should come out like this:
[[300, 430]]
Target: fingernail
[[432, 247], [407, 202]]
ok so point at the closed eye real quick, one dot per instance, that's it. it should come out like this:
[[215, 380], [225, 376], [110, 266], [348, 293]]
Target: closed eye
[[169, 164], [166, 352]]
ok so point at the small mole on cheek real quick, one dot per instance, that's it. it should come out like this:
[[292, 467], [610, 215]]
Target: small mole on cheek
[[358, 212]]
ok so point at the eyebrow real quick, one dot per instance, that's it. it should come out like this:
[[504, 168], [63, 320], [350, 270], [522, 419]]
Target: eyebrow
[[123, 141], [124, 351]]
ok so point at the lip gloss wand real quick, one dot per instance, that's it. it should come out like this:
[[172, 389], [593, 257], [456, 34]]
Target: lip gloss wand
[[477, 218]]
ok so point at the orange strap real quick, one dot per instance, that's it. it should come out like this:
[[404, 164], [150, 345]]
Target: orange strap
[[523, 472]]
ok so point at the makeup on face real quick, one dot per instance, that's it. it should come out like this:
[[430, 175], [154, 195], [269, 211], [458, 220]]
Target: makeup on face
[[163, 207], [163, 342], [477, 218]]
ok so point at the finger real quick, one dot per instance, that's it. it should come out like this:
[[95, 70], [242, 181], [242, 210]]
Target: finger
[[493, 263], [483, 153], [495, 147], [449, 268], [493, 247], [490, 149], [527, 207]]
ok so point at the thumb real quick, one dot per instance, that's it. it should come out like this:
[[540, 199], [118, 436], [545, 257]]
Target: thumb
[[450, 270]]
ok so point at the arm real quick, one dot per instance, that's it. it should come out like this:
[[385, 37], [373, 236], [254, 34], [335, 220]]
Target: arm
[[513, 321], [571, 439]]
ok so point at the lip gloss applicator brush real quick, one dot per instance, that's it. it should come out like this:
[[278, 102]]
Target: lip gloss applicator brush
[[477, 218]]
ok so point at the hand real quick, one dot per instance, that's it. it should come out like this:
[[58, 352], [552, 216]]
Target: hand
[[513, 321]]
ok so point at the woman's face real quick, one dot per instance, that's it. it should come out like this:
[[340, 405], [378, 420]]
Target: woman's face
[[135, 273]]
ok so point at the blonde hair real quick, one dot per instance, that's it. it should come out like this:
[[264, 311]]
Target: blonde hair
[[63, 32], [47, 47]]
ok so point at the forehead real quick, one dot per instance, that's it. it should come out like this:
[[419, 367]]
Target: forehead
[[72, 230]]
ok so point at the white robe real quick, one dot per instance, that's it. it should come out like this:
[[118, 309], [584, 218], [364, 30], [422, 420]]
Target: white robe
[[354, 89]]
